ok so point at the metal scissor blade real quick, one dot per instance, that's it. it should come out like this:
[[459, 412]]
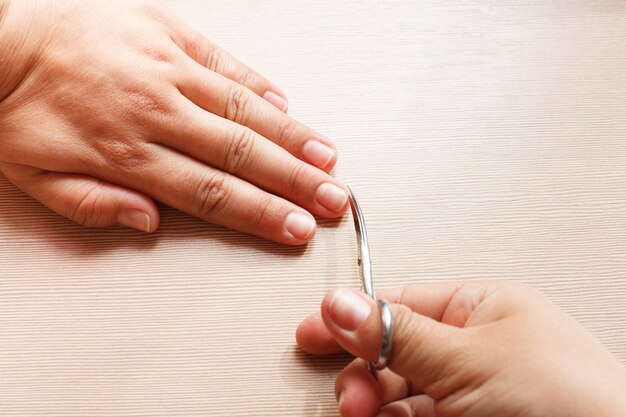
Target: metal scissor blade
[[365, 261]]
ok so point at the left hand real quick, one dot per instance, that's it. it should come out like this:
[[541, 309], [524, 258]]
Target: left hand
[[108, 105]]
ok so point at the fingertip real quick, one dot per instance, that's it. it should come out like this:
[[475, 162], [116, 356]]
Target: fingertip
[[277, 100], [320, 152], [273, 87], [138, 212], [300, 227], [332, 198], [359, 395], [313, 337], [155, 221], [331, 164], [349, 315]]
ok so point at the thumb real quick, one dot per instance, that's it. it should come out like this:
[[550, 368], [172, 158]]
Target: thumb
[[86, 200], [423, 350]]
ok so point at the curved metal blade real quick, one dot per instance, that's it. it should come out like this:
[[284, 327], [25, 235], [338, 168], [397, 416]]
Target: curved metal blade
[[365, 261]]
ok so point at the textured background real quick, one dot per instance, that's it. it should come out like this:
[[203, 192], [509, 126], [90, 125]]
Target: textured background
[[484, 139]]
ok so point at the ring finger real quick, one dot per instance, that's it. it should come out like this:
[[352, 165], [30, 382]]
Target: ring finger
[[240, 151]]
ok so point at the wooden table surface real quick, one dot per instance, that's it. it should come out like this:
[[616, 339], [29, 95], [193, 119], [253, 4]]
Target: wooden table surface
[[484, 139]]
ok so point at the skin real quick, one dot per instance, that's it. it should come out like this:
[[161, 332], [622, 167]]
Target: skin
[[466, 349], [108, 105]]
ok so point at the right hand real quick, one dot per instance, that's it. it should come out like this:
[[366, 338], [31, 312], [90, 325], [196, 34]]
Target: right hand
[[475, 349], [107, 105]]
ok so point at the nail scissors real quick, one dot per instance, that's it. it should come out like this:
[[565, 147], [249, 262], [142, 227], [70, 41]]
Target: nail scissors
[[367, 286]]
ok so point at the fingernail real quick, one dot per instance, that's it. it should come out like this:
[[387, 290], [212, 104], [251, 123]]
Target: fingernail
[[317, 153], [332, 197], [136, 219], [340, 400], [300, 225], [276, 100], [348, 310]]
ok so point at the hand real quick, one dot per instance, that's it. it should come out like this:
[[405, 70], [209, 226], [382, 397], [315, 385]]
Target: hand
[[466, 350], [108, 104]]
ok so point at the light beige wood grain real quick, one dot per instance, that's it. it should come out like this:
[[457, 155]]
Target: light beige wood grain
[[485, 139]]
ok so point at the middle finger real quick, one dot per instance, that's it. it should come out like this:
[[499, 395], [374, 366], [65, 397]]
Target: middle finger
[[361, 394], [240, 151], [230, 100]]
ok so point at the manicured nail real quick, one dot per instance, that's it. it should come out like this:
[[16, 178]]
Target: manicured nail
[[300, 225], [276, 100], [136, 219], [317, 153], [348, 310], [332, 197], [340, 400]]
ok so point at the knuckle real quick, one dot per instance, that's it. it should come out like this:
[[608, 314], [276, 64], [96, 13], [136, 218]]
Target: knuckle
[[152, 9], [197, 47], [247, 78], [144, 101], [125, 154], [408, 335], [287, 129], [412, 345], [403, 325], [158, 54], [294, 178], [213, 58], [240, 149], [211, 195], [262, 212], [237, 105], [404, 293], [88, 210]]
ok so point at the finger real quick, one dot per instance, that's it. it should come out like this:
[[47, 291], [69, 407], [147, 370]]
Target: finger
[[86, 200], [424, 350], [430, 300], [416, 406], [238, 150], [211, 56], [218, 197], [235, 102], [356, 382], [313, 337], [357, 392], [448, 302]]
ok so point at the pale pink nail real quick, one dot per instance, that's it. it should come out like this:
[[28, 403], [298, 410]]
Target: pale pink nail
[[300, 225], [276, 100], [331, 196], [348, 310], [136, 219], [317, 153]]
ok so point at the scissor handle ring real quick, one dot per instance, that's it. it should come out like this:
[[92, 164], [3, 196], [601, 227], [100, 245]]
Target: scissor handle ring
[[386, 316]]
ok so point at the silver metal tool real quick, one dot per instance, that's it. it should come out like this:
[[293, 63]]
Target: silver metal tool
[[367, 286]]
